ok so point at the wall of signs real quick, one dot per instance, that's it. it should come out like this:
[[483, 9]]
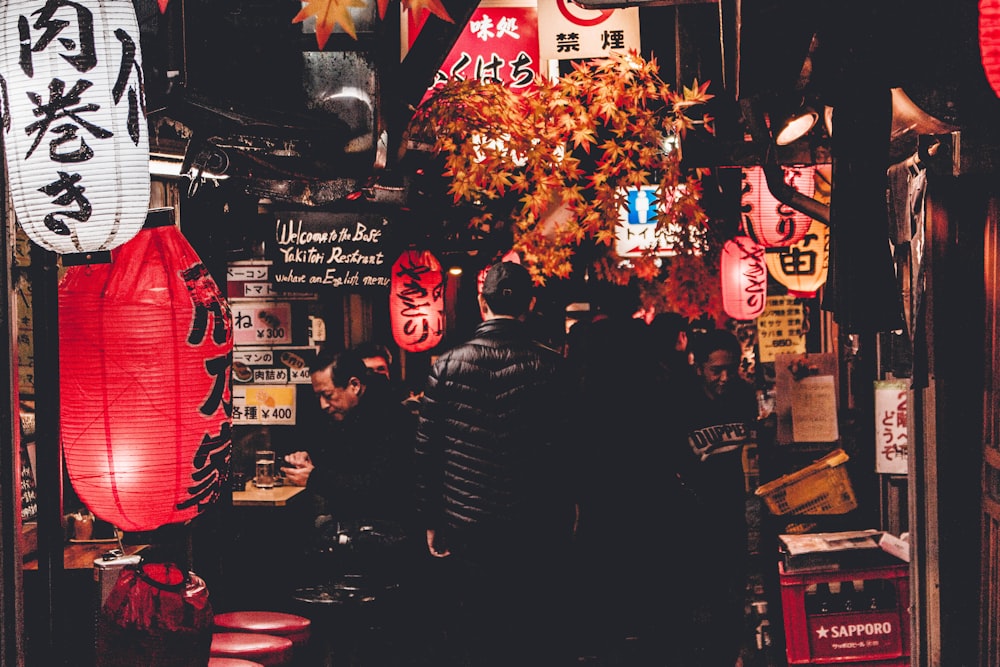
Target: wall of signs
[[275, 341]]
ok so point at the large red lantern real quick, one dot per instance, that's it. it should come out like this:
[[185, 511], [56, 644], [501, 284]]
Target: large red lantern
[[744, 278], [989, 41], [146, 408], [416, 301], [767, 221]]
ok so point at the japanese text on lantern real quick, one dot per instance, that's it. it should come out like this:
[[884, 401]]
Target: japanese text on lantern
[[416, 301], [63, 109], [891, 434], [211, 324]]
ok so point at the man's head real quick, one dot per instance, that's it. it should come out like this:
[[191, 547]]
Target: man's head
[[339, 381], [377, 358], [671, 331], [507, 290], [717, 356]]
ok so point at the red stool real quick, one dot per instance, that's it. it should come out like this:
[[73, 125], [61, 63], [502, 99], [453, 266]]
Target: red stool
[[276, 623], [268, 650], [232, 662]]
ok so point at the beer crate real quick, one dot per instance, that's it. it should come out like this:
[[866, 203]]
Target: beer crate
[[857, 617]]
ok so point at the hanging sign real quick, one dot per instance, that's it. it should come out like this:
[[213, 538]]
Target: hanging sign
[[262, 323], [779, 328], [567, 30], [498, 44], [263, 404], [74, 123], [272, 365], [315, 250], [891, 419]]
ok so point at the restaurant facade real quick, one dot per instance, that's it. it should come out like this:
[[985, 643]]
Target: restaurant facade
[[287, 194]]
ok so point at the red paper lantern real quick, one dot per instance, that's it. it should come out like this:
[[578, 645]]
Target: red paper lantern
[[145, 356], [989, 41], [416, 301], [744, 278], [768, 221]]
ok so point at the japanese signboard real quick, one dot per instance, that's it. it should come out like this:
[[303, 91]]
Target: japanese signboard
[[567, 30], [320, 250], [891, 434], [270, 365], [779, 327], [498, 44], [262, 323], [263, 404]]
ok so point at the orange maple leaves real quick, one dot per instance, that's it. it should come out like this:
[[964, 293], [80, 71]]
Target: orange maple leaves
[[331, 13], [568, 150]]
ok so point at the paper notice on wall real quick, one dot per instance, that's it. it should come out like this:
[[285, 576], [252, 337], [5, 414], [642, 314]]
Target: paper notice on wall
[[814, 409]]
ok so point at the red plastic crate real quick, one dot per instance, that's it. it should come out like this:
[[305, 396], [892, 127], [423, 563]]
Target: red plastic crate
[[861, 637]]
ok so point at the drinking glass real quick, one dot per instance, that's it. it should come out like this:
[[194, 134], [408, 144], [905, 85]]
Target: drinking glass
[[264, 475]]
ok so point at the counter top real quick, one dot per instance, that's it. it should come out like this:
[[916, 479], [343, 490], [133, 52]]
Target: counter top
[[278, 496], [81, 555]]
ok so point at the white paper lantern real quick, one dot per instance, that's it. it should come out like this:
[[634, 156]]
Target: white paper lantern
[[75, 133]]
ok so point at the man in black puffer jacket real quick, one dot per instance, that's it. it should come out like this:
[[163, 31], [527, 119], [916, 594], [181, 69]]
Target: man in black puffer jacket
[[494, 482]]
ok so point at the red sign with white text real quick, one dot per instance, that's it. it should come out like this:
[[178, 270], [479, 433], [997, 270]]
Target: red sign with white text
[[498, 44]]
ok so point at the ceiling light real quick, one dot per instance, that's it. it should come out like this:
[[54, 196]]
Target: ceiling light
[[795, 126]]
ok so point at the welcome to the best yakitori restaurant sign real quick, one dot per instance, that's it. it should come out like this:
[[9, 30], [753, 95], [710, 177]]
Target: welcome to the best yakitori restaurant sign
[[316, 250]]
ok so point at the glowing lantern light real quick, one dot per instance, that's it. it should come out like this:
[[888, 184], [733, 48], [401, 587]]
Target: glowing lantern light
[[802, 268], [416, 301], [744, 278], [146, 409], [989, 41], [768, 221], [76, 138]]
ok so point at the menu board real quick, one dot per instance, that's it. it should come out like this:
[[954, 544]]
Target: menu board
[[318, 250]]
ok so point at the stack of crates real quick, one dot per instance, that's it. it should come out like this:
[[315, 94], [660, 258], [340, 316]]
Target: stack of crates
[[857, 618]]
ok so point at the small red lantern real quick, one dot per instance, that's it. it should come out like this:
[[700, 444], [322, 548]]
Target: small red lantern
[[416, 301], [768, 221], [989, 41], [744, 278], [146, 408]]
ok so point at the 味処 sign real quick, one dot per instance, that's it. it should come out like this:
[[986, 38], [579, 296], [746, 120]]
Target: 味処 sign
[[314, 250]]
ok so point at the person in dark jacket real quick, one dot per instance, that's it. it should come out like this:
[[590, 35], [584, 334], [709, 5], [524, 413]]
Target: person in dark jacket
[[493, 482], [358, 469], [719, 418]]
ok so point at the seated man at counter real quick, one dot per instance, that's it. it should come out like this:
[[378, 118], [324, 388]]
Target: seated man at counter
[[359, 468]]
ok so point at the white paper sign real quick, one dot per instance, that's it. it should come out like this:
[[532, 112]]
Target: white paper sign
[[814, 409], [567, 30], [891, 422]]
